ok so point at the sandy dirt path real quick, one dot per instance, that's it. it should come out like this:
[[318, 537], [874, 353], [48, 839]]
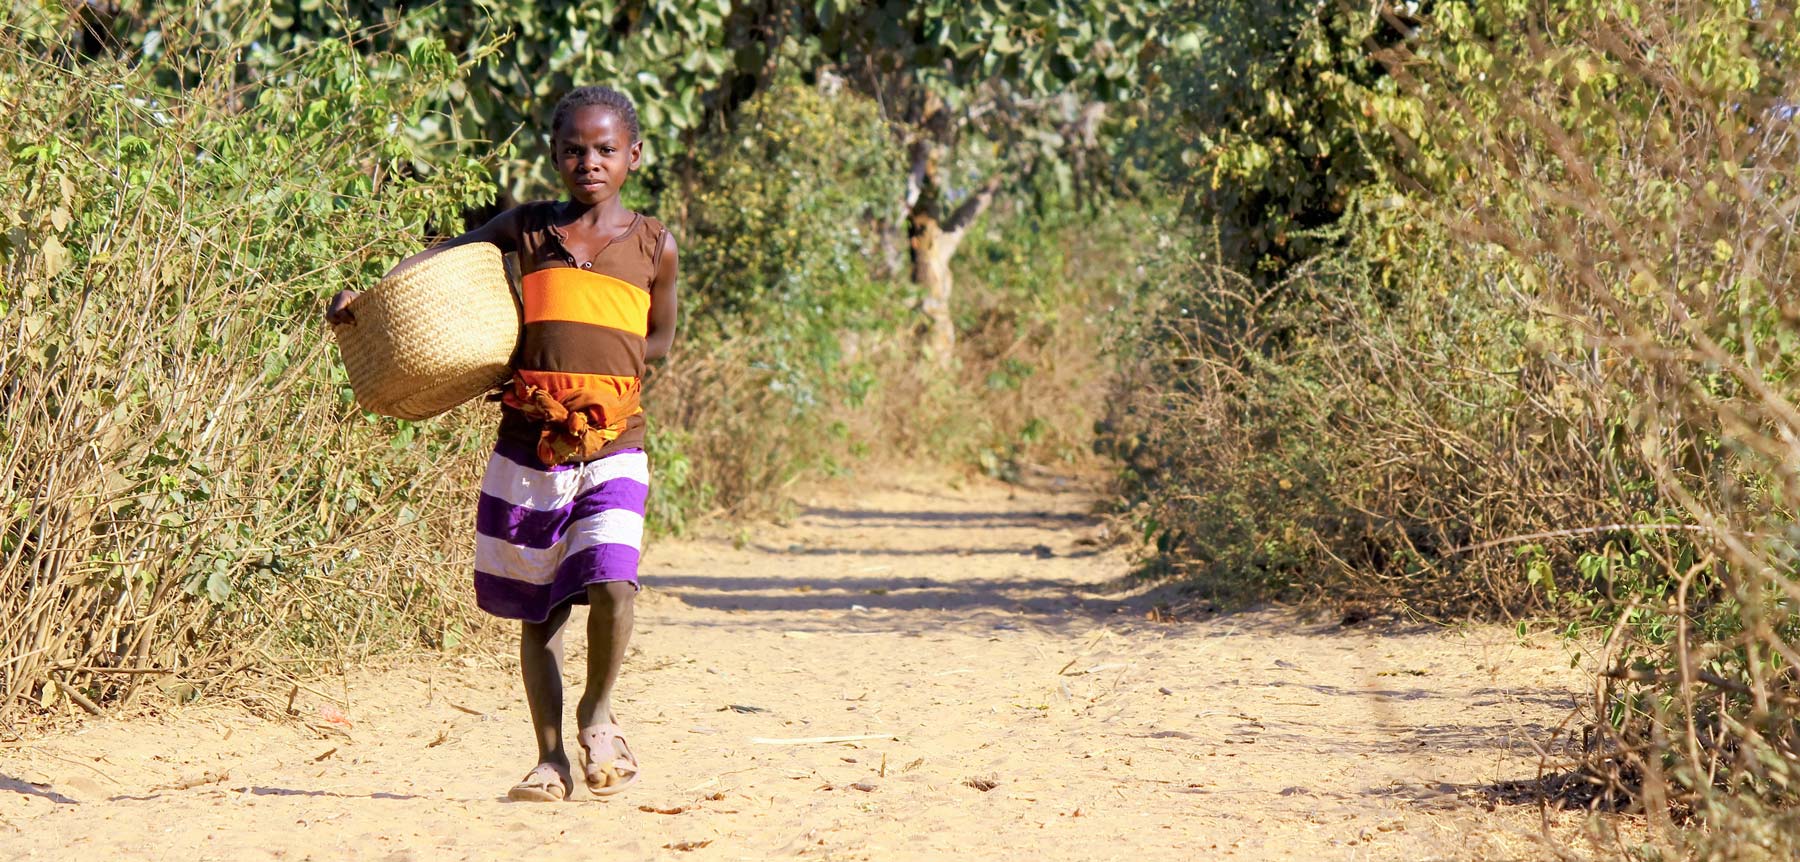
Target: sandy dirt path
[[1034, 712]]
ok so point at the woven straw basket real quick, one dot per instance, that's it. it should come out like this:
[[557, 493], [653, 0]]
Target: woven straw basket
[[432, 336]]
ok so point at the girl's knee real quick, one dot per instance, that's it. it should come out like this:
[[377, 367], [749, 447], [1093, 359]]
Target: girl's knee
[[612, 596], [547, 631]]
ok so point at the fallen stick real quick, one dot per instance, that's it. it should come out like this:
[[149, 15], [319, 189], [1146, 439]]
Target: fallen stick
[[97, 770], [203, 779], [80, 699], [822, 740], [117, 670]]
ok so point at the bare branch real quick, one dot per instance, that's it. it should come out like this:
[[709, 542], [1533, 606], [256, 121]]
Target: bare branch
[[971, 209]]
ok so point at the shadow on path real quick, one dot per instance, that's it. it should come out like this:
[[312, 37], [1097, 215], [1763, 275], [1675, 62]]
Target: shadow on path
[[26, 788], [1038, 551], [787, 594], [1569, 790], [892, 518]]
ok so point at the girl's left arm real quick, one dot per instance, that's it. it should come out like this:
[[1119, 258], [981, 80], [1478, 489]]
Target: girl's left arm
[[663, 301]]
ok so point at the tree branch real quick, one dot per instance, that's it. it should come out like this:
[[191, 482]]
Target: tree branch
[[915, 178], [970, 210]]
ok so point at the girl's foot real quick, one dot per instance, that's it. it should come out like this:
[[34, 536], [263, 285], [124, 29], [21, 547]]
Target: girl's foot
[[546, 782], [610, 766]]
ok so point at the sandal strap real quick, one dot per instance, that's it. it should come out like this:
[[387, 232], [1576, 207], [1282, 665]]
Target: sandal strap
[[544, 777], [612, 737]]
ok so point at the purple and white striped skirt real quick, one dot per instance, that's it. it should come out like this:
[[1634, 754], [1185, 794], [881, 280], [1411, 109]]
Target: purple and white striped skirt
[[543, 534]]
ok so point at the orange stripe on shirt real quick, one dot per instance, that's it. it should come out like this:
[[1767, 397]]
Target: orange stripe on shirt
[[567, 293], [558, 382]]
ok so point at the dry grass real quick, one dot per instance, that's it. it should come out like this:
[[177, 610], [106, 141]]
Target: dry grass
[[1665, 239], [187, 494]]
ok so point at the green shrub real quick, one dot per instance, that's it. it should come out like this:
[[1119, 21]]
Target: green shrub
[[778, 227], [785, 212], [1276, 122]]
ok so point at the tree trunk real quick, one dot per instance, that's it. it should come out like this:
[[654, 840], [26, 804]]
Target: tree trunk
[[934, 243], [931, 251]]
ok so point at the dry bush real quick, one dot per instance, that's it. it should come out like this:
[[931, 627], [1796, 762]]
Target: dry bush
[[1551, 372], [186, 492], [726, 438], [1334, 438], [1638, 170]]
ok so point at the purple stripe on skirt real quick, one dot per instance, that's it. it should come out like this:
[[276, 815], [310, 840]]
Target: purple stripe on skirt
[[601, 563], [532, 528], [513, 599]]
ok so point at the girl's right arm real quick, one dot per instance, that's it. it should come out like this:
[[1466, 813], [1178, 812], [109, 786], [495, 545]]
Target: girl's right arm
[[501, 230]]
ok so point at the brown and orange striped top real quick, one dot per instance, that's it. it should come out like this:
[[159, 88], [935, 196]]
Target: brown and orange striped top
[[585, 328]]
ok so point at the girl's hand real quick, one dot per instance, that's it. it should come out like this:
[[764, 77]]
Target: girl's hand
[[338, 312]]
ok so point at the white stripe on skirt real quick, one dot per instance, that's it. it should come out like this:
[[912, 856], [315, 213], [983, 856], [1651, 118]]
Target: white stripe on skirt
[[538, 565], [536, 489]]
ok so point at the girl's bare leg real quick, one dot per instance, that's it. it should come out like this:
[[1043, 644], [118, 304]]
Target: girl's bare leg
[[540, 663], [612, 607]]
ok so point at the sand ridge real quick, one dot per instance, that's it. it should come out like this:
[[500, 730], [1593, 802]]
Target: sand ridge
[[1011, 699]]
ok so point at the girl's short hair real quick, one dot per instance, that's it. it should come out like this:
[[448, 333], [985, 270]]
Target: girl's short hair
[[604, 97]]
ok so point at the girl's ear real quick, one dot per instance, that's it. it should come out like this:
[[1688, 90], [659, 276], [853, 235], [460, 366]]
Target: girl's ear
[[637, 154]]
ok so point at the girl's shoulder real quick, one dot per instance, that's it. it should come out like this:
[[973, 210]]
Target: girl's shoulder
[[651, 227], [535, 216], [535, 225], [651, 235]]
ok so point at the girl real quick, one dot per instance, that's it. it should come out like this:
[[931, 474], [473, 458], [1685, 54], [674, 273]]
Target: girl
[[561, 515]]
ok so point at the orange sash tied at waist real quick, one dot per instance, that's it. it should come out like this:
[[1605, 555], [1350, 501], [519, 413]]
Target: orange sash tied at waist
[[577, 423]]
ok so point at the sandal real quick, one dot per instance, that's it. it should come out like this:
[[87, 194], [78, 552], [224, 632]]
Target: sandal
[[542, 784], [618, 772]]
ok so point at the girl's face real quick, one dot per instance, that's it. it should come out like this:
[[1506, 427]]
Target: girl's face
[[595, 153]]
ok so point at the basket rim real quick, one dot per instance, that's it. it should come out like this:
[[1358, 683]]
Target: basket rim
[[412, 351]]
